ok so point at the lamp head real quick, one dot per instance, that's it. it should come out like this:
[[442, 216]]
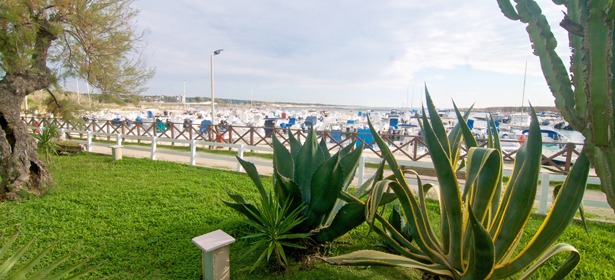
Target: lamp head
[[217, 52]]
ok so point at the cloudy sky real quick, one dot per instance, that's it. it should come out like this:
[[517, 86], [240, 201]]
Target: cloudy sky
[[367, 53]]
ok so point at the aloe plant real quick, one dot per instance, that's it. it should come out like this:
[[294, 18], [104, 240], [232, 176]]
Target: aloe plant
[[583, 95], [309, 176], [481, 228]]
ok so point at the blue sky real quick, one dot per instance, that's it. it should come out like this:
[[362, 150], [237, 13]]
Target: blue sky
[[367, 53]]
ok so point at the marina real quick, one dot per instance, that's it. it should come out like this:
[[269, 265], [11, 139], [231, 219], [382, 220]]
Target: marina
[[336, 128]]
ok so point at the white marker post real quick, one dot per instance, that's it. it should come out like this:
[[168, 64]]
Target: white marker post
[[215, 246]]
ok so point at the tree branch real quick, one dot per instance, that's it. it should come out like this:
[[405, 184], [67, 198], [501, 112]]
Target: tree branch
[[54, 98]]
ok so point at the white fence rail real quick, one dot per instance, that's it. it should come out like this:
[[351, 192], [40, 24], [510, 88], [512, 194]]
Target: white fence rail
[[543, 195]]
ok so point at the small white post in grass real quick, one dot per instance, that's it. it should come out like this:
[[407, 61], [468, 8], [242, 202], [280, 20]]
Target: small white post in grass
[[119, 140], [62, 134], [193, 152], [116, 152], [544, 193], [154, 148], [361, 171], [240, 155], [89, 145], [215, 246]]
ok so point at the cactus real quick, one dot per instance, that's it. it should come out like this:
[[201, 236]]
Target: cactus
[[583, 96]]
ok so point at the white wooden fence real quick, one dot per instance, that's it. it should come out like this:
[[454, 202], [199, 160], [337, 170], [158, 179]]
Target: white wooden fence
[[543, 196]]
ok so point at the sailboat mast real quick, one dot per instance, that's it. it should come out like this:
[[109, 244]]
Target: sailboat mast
[[407, 94], [412, 104], [523, 96]]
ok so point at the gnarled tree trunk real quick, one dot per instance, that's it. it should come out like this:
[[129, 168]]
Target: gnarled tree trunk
[[21, 170]]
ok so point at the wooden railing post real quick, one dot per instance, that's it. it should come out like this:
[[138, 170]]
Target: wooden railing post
[[229, 130], [172, 133], [251, 136], [569, 151], [415, 148]]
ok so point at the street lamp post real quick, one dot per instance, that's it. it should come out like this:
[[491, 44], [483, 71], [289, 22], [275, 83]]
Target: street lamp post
[[216, 52]]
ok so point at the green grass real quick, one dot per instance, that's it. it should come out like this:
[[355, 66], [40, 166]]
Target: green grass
[[140, 215]]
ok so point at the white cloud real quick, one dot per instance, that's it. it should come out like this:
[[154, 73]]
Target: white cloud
[[335, 47]]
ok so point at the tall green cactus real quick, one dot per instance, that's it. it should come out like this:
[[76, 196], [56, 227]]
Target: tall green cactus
[[583, 96]]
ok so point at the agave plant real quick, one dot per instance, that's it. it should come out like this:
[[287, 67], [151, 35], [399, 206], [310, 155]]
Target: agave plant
[[274, 225], [481, 228], [310, 178]]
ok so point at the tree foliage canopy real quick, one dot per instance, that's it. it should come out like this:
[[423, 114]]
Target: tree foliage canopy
[[91, 39]]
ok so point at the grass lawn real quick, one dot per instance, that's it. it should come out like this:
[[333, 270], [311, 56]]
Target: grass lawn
[[139, 216]]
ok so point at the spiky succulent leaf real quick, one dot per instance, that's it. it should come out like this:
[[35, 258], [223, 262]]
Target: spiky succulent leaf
[[483, 173], [243, 207], [468, 137], [437, 125], [376, 258], [327, 181], [251, 170], [451, 196], [295, 145], [308, 159], [348, 217], [560, 216], [522, 196], [286, 189], [369, 184], [418, 225], [495, 143], [349, 162], [323, 147], [454, 137], [482, 253], [569, 264], [282, 159]]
